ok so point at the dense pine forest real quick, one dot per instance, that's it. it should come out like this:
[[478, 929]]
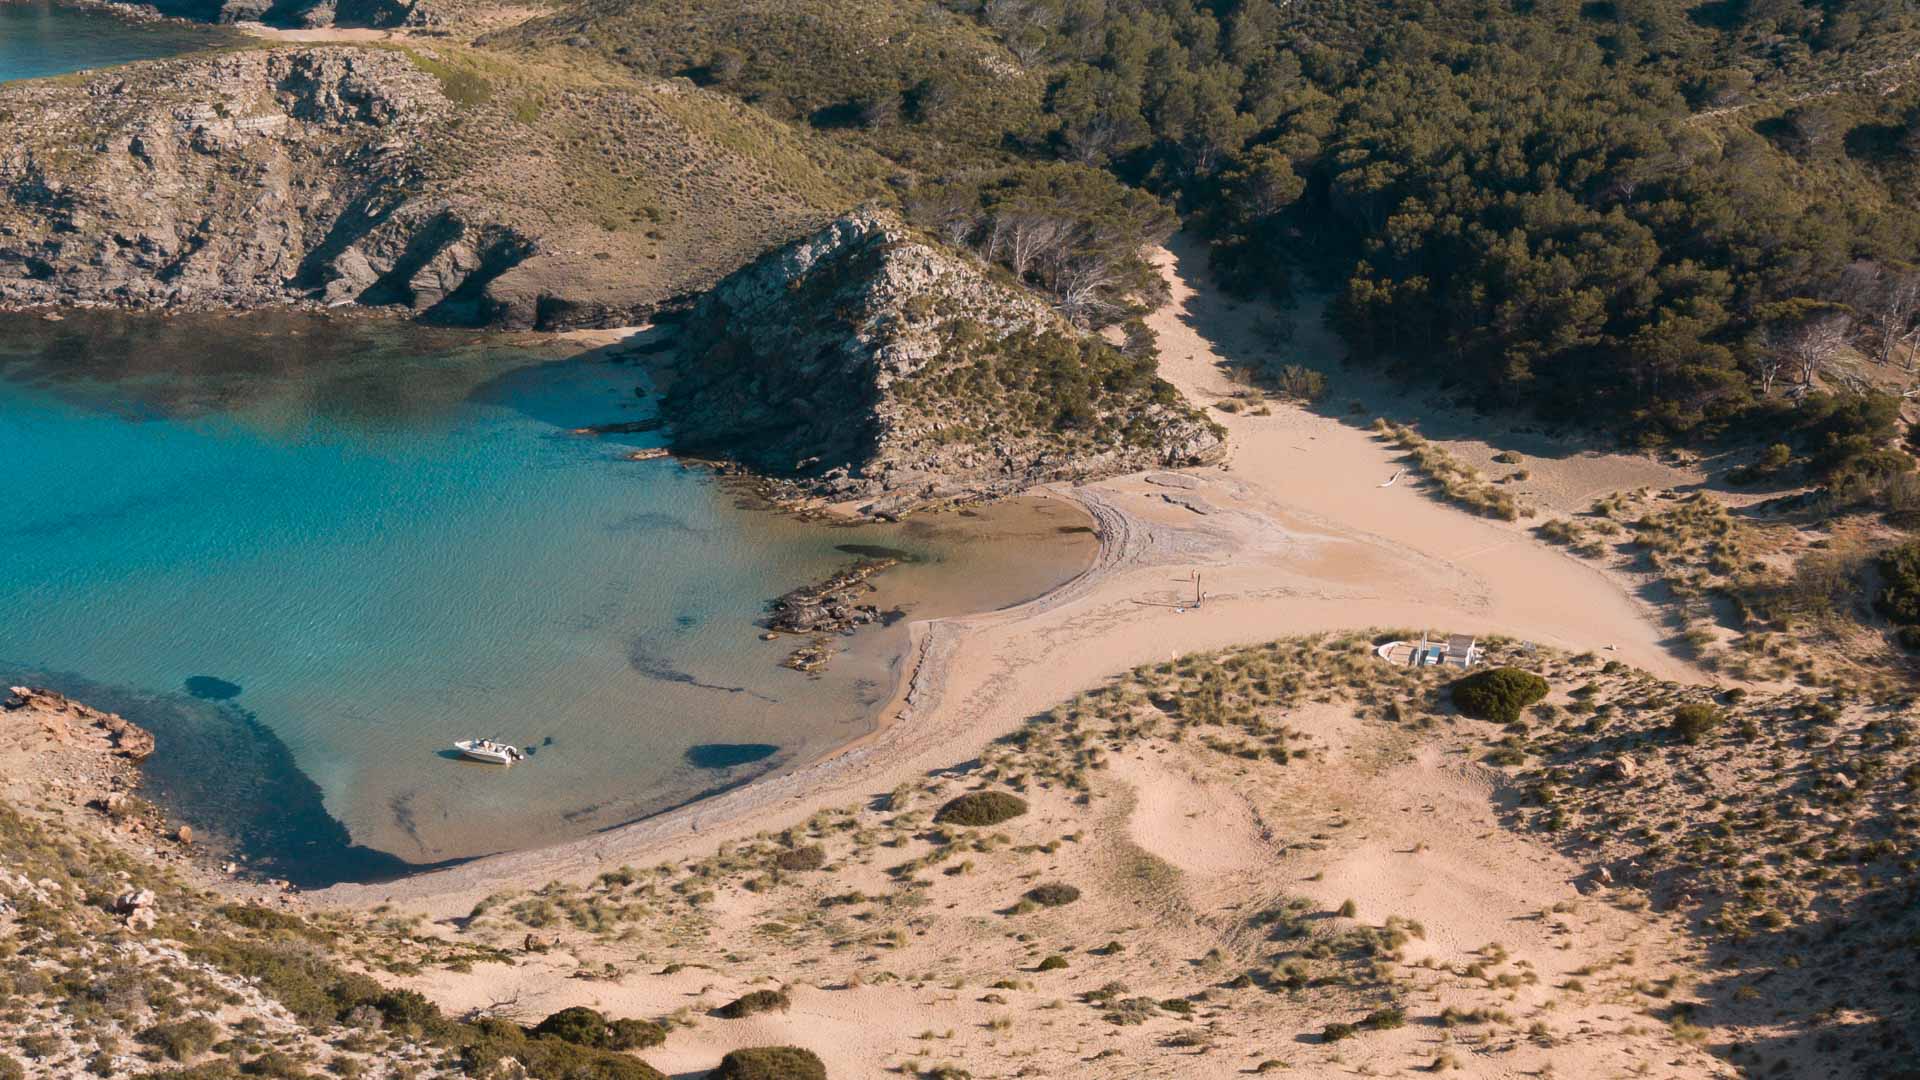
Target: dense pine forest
[[1669, 219]]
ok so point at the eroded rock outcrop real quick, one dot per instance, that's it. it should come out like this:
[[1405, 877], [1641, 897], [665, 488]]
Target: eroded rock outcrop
[[337, 175], [68, 723], [867, 363]]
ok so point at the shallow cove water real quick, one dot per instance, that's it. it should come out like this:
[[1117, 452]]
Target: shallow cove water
[[39, 39], [312, 552]]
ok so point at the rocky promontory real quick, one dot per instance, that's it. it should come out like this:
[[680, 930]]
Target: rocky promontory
[[465, 188], [66, 723], [868, 363]]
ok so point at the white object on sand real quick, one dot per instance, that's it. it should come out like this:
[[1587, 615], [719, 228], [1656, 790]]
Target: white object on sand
[[1396, 476]]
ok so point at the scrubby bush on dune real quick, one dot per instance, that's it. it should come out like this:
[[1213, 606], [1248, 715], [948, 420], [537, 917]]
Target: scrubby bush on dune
[[1692, 723], [489, 1041], [981, 808], [1899, 598], [1498, 694], [757, 1001], [811, 857], [630, 1034], [182, 1040], [582, 1026], [1053, 894], [771, 1063]]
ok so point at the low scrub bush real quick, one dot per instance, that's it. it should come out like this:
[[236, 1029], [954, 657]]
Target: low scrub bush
[[1053, 894], [811, 857], [1693, 723], [582, 1026], [757, 1001], [1899, 598], [1385, 1019], [182, 1040], [771, 1063], [486, 1043], [981, 808], [1498, 694]]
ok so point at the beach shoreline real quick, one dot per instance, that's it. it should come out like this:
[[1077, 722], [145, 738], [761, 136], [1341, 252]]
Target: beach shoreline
[[1293, 534]]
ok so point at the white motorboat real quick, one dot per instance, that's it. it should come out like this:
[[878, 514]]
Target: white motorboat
[[491, 751]]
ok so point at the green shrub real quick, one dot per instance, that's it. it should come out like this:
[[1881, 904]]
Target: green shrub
[[403, 1008], [980, 808], [1899, 598], [811, 857], [1498, 694], [771, 1063], [1385, 1019], [577, 1024], [11, 1069], [1692, 723], [631, 1034], [1053, 894], [1303, 383], [278, 1064], [757, 1001], [299, 978], [254, 917], [217, 1069], [488, 1041], [1336, 1032], [583, 1026], [182, 1040], [1055, 962]]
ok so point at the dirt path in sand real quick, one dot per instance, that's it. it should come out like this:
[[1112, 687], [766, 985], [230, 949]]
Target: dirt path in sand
[[1295, 535]]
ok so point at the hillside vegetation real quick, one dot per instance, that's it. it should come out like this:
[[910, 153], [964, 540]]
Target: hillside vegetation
[[927, 85], [1653, 213]]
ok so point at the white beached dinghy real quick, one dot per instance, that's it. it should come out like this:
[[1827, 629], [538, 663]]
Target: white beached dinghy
[[491, 751]]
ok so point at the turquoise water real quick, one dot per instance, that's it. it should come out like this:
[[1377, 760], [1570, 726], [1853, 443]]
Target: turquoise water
[[40, 39], [312, 553]]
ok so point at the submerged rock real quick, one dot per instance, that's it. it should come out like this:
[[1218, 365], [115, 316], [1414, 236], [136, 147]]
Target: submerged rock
[[728, 755], [210, 688], [833, 605]]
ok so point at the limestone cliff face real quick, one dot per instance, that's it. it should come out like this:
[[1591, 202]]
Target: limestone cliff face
[[345, 175], [867, 363], [285, 175]]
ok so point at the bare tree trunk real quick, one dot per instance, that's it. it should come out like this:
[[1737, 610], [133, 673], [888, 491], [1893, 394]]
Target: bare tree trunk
[[1894, 311]]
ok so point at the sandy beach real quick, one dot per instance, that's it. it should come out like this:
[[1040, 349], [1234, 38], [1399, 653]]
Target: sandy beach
[[1293, 534], [1298, 532]]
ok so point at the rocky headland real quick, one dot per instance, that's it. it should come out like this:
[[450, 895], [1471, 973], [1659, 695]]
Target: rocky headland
[[869, 364], [467, 189]]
